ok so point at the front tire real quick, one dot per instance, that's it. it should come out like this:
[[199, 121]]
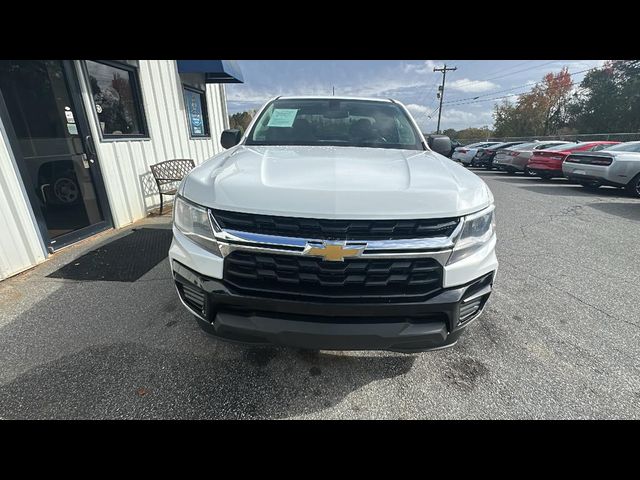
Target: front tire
[[633, 187], [529, 173]]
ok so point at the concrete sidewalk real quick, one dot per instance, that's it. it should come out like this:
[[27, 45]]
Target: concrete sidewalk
[[98, 349], [22, 291]]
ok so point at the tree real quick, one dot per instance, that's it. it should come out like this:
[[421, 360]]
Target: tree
[[609, 99], [241, 120], [542, 111], [450, 132], [466, 133]]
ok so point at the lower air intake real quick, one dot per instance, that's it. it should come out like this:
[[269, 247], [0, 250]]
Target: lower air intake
[[194, 297], [468, 310]]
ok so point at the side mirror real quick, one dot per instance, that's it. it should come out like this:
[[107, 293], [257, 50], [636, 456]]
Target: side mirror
[[440, 144], [230, 138]]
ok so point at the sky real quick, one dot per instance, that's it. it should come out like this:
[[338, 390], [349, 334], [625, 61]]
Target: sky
[[412, 82]]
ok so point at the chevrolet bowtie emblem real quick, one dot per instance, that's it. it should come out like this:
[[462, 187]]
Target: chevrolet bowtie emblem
[[333, 251]]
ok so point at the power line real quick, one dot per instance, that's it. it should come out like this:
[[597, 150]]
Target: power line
[[520, 71], [522, 86], [513, 66], [491, 93], [475, 99], [465, 82]]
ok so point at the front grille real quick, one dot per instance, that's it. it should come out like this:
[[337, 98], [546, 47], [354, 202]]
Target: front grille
[[322, 229], [265, 274]]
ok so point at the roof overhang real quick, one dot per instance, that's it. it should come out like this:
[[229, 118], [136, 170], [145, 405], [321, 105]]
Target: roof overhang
[[215, 71]]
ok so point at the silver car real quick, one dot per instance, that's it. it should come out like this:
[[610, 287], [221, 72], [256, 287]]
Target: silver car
[[515, 159], [617, 166], [466, 153]]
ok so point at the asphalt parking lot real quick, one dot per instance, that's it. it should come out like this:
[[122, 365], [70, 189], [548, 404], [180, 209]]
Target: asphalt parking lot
[[559, 339]]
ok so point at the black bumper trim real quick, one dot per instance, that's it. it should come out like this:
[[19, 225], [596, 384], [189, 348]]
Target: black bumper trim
[[591, 178], [407, 327]]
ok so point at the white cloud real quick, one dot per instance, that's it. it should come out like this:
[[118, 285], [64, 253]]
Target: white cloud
[[379, 88], [420, 112], [426, 67], [472, 86], [451, 118], [464, 119]]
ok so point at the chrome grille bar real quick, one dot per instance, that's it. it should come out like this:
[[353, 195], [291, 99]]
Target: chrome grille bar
[[434, 247]]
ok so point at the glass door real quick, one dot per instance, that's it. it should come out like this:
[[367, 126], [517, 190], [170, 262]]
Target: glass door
[[55, 153]]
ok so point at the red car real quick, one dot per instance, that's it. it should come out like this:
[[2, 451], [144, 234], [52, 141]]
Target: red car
[[547, 163]]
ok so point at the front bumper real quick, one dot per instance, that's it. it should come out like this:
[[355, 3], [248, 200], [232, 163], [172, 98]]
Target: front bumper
[[434, 323]]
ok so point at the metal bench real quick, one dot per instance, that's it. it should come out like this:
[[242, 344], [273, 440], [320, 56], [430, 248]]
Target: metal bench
[[167, 173]]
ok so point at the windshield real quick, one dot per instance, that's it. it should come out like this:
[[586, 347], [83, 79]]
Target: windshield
[[339, 122], [625, 147]]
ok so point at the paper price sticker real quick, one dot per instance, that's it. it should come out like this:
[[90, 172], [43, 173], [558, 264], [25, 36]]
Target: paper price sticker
[[282, 117]]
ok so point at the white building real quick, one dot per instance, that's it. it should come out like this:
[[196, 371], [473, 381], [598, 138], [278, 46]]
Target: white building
[[77, 139]]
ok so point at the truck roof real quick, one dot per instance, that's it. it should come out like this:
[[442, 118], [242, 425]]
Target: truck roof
[[330, 97]]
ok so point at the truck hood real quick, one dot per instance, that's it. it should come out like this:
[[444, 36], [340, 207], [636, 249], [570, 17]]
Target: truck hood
[[336, 182]]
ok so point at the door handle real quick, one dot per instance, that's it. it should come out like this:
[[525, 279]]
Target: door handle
[[44, 195], [89, 142], [85, 159]]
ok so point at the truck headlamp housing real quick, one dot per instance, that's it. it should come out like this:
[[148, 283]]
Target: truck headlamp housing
[[477, 230], [194, 222]]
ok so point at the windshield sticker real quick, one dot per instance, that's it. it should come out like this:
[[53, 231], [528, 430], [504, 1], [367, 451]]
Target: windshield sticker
[[282, 117]]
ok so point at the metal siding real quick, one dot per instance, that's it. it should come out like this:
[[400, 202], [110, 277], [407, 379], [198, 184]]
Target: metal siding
[[20, 243], [125, 163]]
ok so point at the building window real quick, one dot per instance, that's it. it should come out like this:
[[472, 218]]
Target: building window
[[117, 99], [196, 104]]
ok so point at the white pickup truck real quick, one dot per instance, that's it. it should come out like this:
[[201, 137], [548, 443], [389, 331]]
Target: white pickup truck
[[333, 224]]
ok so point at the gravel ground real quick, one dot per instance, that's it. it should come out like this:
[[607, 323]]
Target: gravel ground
[[559, 338]]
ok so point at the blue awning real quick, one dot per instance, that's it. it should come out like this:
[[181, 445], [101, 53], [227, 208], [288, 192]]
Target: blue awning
[[215, 71]]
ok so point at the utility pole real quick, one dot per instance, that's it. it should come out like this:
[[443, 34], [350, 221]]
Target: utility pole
[[444, 71], [334, 90]]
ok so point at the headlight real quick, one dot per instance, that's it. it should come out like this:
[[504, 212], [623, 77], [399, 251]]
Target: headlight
[[477, 230], [193, 221]]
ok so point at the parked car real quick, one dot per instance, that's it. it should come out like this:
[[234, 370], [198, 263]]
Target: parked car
[[465, 154], [485, 155], [454, 144], [617, 166], [547, 163], [331, 223], [515, 159]]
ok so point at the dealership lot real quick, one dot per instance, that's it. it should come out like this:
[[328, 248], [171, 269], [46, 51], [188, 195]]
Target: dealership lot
[[559, 339]]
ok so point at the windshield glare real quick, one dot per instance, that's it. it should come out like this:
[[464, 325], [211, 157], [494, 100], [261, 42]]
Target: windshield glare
[[523, 146], [563, 146], [349, 123], [625, 147]]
